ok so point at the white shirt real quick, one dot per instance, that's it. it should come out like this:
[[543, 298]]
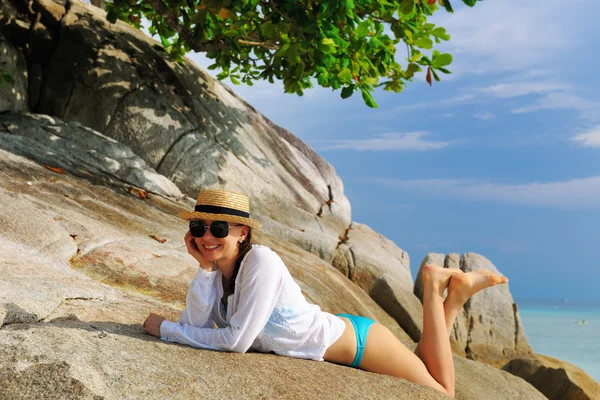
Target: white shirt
[[267, 312]]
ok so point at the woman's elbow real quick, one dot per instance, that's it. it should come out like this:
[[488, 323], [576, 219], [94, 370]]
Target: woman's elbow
[[237, 346]]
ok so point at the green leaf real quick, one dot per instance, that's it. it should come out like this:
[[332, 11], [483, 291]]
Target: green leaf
[[371, 81], [234, 80], [470, 3], [349, 4], [231, 33], [447, 5], [411, 70], [347, 92], [282, 50], [440, 33], [444, 70], [291, 54], [112, 15], [328, 42], [165, 42], [424, 43], [362, 29], [345, 74], [442, 60], [368, 99], [268, 30], [406, 6]]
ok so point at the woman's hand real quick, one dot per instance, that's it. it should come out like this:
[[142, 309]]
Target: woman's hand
[[152, 324], [193, 250]]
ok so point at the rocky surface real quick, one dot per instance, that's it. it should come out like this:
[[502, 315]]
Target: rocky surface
[[13, 78], [489, 328], [556, 379], [184, 125], [80, 273], [382, 269], [84, 261], [79, 150]]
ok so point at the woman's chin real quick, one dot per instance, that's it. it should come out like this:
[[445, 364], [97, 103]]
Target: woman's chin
[[210, 257]]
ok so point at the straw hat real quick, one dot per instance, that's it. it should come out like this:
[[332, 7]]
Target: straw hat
[[222, 205]]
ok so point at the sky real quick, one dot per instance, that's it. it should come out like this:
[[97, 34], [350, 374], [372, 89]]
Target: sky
[[501, 158]]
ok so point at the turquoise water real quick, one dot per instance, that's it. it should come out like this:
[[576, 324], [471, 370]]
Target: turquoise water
[[551, 328]]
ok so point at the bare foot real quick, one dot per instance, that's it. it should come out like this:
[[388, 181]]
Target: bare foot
[[438, 278], [463, 286]]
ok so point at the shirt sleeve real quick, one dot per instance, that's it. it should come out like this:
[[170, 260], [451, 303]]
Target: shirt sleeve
[[199, 302], [259, 285]]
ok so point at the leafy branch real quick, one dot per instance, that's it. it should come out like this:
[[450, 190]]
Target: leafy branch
[[346, 45]]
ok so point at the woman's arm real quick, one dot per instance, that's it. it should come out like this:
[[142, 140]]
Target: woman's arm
[[200, 300], [259, 283]]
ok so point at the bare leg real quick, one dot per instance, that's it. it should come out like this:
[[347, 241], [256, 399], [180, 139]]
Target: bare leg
[[434, 346], [460, 289], [461, 286], [385, 354]]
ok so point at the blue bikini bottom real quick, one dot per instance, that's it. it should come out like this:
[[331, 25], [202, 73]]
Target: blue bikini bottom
[[361, 329]]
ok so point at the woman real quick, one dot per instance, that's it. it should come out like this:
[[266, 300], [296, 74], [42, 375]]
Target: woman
[[247, 291]]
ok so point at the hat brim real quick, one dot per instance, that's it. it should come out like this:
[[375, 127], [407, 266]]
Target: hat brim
[[190, 215]]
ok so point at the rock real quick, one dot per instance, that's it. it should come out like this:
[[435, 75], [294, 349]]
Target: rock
[[80, 328], [369, 254], [184, 124], [13, 78], [475, 380], [495, 331], [79, 150], [111, 360], [39, 380], [192, 130], [488, 328], [556, 379], [79, 227], [382, 269], [400, 304]]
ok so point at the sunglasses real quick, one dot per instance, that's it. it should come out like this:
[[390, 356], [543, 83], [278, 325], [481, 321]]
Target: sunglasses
[[219, 229]]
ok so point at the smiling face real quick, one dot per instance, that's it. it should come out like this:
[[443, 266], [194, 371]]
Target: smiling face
[[222, 250]]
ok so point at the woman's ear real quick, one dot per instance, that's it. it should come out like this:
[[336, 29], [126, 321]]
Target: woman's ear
[[244, 233]]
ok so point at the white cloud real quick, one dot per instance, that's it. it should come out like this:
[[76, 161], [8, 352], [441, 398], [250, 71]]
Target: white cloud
[[580, 193], [515, 34], [589, 139], [449, 102], [563, 101], [516, 89], [486, 116], [387, 142], [488, 93]]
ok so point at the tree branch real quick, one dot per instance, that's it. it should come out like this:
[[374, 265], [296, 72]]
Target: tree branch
[[198, 46], [274, 5], [266, 45]]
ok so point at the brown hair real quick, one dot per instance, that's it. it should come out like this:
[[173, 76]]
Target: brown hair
[[244, 247]]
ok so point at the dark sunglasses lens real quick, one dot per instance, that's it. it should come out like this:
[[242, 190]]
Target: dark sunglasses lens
[[197, 228], [219, 229]]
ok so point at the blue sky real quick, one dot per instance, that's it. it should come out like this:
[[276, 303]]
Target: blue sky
[[501, 158]]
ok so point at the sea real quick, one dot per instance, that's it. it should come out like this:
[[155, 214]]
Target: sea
[[564, 329]]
